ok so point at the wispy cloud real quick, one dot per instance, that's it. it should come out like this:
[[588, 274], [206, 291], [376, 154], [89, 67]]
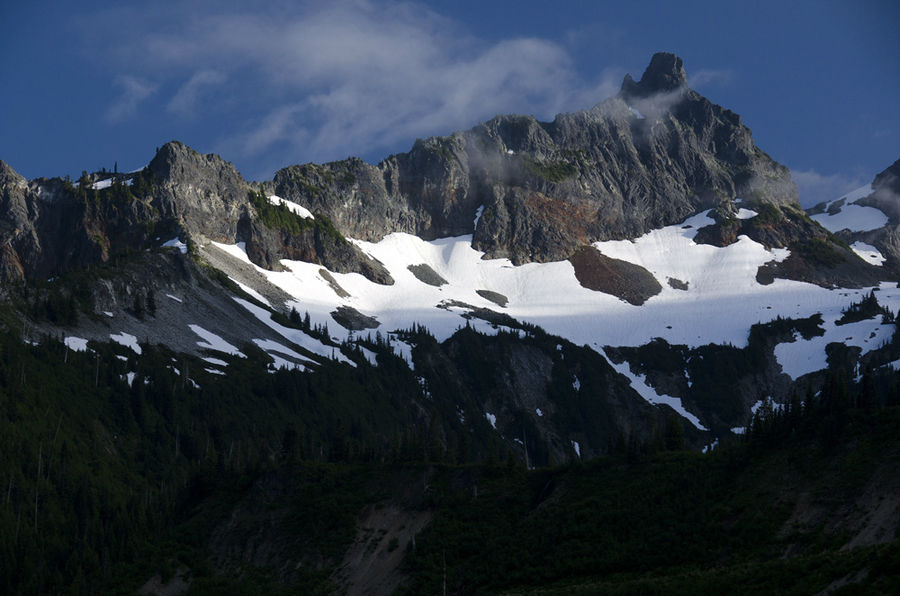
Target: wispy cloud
[[706, 77], [185, 100], [815, 188], [317, 81], [134, 90]]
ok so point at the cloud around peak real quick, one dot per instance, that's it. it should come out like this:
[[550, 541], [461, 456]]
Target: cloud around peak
[[814, 187], [321, 81]]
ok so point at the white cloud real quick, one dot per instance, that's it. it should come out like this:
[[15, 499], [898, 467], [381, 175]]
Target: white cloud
[[321, 81], [134, 90], [185, 100], [815, 188], [706, 76]]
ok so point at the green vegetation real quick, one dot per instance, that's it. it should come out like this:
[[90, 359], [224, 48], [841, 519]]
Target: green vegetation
[[157, 475], [676, 523], [281, 217], [556, 171], [821, 251], [278, 216], [715, 369], [867, 308]]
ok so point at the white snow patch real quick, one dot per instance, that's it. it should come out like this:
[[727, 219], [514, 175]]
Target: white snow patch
[[127, 340], [746, 213], [710, 447], [402, 349], [539, 412], [79, 344], [129, 377], [369, 355], [238, 251], [576, 384], [107, 313], [101, 184], [868, 253], [214, 371], [492, 419], [781, 254], [273, 346], [278, 363], [639, 384], [855, 218], [175, 298], [251, 292], [739, 430], [577, 447], [853, 196], [759, 403], [510, 152], [636, 114], [478, 213], [295, 335], [211, 341], [176, 243], [293, 207], [803, 356], [215, 361]]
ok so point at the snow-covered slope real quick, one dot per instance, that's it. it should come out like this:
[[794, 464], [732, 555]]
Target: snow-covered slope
[[845, 214], [720, 301]]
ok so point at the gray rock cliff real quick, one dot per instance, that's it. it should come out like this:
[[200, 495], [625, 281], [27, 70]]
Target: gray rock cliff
[[650, 156]]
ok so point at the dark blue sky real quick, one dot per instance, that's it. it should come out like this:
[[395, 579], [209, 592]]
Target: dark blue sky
[[84, 85]]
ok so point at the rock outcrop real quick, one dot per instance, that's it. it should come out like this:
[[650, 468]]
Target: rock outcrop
[[886, 198], [648, 157], [48, 226]]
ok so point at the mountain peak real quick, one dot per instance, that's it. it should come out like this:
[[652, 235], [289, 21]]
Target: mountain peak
[[9, 175], [664, 73]]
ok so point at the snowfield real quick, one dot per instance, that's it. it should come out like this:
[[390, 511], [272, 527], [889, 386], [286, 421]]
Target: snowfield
[[851, 216], [722, 300], [868, 253]]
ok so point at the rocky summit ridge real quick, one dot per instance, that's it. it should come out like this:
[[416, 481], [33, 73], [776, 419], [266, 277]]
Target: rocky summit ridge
[[650, 156]]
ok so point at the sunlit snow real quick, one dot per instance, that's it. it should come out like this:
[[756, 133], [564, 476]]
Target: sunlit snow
[[176, 243], [294, 207], [295, 335], [79, 344], [851, 216], [722, 302], [868, 253], [855, 218], [639, 384], [273, 349], [127, 340], [804, 356], [211, 341]]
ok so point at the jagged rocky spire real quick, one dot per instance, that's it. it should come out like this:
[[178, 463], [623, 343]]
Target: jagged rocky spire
[[665, 73]]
